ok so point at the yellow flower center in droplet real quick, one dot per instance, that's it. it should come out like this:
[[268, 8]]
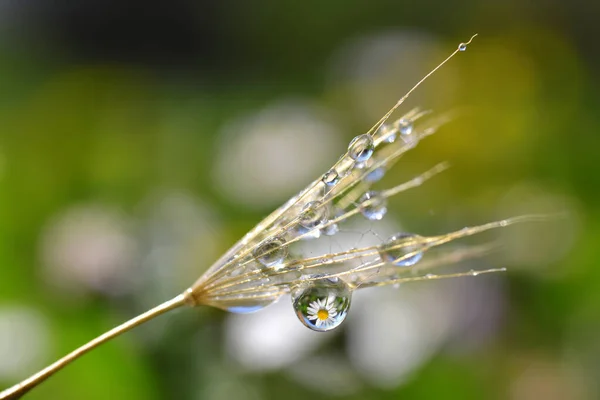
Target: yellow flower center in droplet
[[322, 314]]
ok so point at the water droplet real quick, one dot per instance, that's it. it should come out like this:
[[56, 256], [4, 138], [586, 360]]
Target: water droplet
[[322, 304], [313, 214], [251, 308], [462, 47], [430, 276], [387, 133], [271, 252], [405, 127], [473, 272], [361, 148], [375, 175], [331, 229], [373, 205], [331, 177], [402, 249]]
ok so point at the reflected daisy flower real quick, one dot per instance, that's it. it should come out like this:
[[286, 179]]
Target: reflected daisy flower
[[322, 311]]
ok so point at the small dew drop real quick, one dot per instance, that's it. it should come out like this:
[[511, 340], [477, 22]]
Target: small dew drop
[[331, 177], [254, 307], [361, 148], [473, 272], [462, 47], [402, 249], [430, 276], [322, 304], [387, 133], [313, 214], [373, 205], [405, 127], [271, 253]]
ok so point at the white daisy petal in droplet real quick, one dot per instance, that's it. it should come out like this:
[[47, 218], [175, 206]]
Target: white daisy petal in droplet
[[322, 311]]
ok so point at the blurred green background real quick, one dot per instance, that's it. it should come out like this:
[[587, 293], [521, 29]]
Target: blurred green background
[[139, 140]]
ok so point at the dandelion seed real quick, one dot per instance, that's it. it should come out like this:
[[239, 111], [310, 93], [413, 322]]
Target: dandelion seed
[[262, 266]]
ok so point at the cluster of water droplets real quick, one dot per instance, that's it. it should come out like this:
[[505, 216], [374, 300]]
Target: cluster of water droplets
[[321, 300], [263, 266]]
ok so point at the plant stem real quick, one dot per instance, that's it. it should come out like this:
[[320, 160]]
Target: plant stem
[[18, 390]]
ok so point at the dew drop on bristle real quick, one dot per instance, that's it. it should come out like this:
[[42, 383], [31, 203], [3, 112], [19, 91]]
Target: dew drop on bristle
[[402, 250], [331, 177], [387, 133], [271, 253], [462, 47], [248, 309], [322, 304], [405, 127], [313, 214], [361, 148], [373, 205]]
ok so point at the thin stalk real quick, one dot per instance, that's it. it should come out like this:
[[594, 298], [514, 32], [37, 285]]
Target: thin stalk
[[18, 390]]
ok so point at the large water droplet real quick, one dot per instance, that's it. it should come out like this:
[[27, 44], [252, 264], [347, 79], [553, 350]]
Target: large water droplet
[[462, 47], [361, 148], [313, 214], [322, 304], [271, 252], [373, 205], [331, 177], [402, 249]]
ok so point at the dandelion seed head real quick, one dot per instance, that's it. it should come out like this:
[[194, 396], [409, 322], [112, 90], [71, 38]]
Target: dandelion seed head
[[266, 264]]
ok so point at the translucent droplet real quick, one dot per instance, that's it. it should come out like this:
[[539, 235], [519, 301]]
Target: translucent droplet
[[313, 214], [331, 229], [462, 47], [387, 133], [331, 177], [361, 148], [376, 175], [405, 127], [271, 252], [322, 304], [373, 205], [402, 249], [247, 309]]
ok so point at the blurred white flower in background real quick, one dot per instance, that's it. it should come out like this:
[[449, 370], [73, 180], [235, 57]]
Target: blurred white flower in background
[[265, 157], [89, 248], [24, 341]]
